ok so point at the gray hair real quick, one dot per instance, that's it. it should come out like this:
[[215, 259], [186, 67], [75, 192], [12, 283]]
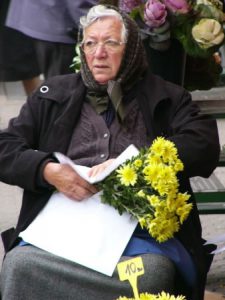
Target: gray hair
[[101, 11]]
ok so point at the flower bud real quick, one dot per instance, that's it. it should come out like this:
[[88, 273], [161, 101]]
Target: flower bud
[[177, 6], [216, 3], [214, 8], [155, 13], [128, 5], [208, 33]]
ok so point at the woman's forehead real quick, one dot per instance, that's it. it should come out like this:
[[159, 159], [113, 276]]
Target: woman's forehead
[[107, 25]]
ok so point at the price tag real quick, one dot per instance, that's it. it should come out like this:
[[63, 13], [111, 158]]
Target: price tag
[[130, 270]]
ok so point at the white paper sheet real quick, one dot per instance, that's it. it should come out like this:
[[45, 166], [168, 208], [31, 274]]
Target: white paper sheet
[[217, 240], [88, 232]]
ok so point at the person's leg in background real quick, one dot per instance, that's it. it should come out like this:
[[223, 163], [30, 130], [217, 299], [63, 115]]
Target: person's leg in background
[[54, 58], [18, 60]]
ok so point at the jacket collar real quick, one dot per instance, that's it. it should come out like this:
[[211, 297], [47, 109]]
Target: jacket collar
[[66, 86]]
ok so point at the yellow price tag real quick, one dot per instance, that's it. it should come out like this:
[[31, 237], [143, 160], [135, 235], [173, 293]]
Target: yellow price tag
[[130, 270]]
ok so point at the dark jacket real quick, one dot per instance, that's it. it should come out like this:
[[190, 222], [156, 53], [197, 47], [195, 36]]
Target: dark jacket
[[45, 125]]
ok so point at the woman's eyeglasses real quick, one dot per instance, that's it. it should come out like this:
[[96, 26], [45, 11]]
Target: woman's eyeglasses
[[89, 46]]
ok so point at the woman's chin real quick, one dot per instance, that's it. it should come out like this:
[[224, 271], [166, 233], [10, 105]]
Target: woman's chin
[[102, 80]]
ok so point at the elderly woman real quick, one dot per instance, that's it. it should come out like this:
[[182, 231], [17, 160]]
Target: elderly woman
[[92, 117]]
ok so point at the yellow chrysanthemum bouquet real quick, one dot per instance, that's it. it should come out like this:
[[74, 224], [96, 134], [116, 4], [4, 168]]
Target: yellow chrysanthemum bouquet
[[147, 187], [162, 296]]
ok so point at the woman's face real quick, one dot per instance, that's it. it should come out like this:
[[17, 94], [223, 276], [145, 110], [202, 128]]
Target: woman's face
[[104, 58]]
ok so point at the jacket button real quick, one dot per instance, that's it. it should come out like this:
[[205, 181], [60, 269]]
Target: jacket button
[[44, 89]]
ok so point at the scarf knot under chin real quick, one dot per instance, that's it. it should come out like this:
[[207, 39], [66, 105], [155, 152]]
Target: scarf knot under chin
[[100, 100]]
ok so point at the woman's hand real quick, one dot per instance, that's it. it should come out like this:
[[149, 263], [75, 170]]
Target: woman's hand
[[99, 168], [67, 181]]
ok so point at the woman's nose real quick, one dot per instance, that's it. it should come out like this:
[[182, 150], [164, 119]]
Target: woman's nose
[[100, 50]]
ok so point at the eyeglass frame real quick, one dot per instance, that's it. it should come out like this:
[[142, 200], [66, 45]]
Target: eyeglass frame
[[96, 44]]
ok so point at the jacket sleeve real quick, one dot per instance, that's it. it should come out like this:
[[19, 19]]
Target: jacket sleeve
[[196, 137], [20, 158]]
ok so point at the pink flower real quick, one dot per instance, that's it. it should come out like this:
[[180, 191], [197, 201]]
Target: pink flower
[[128, 5], [177, 6], [155, 13]]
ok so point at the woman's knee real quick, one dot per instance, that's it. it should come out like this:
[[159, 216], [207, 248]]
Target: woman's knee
[[16, 263], [159, 274]]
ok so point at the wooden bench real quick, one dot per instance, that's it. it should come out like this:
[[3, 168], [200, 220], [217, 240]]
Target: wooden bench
[[211, 202]]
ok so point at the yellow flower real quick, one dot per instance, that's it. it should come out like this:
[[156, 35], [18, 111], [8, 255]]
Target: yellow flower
[[170, 152], [208, 33], [160, 296], [138, 163], [166, 185], [152, 173], [142, 222], [141, 194], [153, 159], [127, 175], [161, 210], [183, 208], [153, 200], [164, 148], [178, 166], [158, 146], [171, 200], [162, 229], [183, 212], [167, 174], [181, 199], [175, 200], [166, 296], [146, 296]]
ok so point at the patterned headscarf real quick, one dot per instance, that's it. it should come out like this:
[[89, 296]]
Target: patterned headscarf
[[133, 64]]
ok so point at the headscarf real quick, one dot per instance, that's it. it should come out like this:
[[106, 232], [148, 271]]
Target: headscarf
[[133, 65]]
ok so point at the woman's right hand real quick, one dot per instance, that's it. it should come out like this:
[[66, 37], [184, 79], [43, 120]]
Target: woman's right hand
[[94, 171], [67, 181]]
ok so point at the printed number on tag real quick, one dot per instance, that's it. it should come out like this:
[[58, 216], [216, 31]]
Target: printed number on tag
[[130, 268]]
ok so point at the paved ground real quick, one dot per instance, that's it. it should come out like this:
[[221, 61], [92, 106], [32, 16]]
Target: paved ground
[[11, 99]]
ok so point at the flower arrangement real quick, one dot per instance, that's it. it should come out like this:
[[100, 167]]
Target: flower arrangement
[[197, 24], [162, 296], [146, 186]]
